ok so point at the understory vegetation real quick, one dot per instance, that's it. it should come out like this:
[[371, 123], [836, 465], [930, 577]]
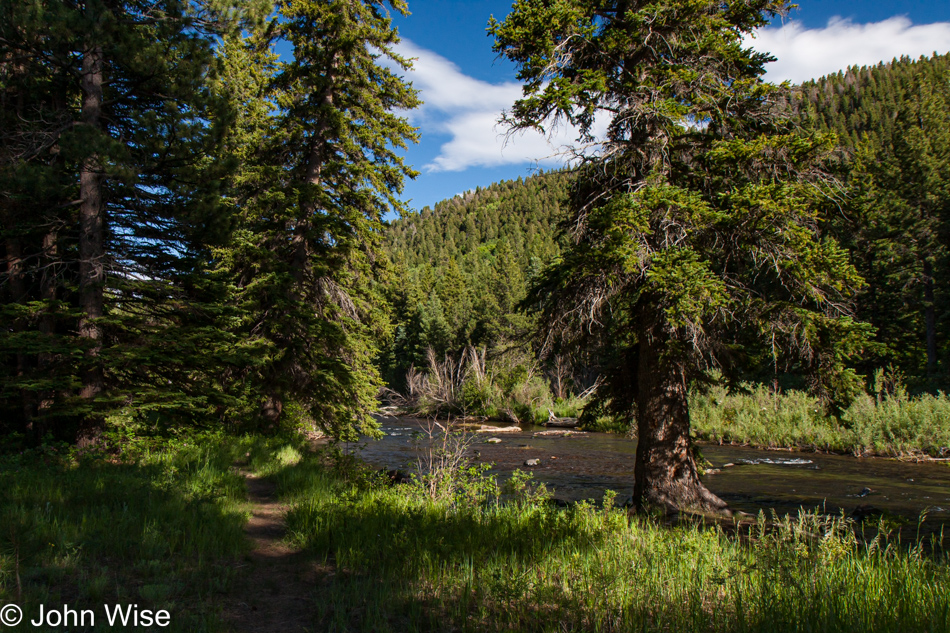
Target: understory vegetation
[[160, 524], [886, 424], [891, 422], [509, 387], [502, 558]]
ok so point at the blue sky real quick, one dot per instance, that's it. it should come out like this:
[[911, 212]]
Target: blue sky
[[465, 87]]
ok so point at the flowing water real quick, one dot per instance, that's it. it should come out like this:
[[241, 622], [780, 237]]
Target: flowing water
[[583, 466]]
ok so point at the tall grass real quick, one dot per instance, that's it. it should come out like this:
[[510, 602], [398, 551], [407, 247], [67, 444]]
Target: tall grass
[[408, 563], [160, 527], [508, 387], [890, 424], [900, 425]]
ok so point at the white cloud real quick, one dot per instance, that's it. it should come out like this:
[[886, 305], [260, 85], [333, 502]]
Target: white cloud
[[467, 109], [804, 54], [446, 88]]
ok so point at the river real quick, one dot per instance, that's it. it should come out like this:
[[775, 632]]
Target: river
[[583, 466]]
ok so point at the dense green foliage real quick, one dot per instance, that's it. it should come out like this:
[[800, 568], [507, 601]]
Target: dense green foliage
[[894, 122], [867, 108], [108, 127], [696, 225], [888, 423], [305, 259], [464, 267], [190, 226]]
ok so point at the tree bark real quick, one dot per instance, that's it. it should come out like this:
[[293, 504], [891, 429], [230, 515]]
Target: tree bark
[[47, 325], [315, 162], [665, 474], [91, 229]]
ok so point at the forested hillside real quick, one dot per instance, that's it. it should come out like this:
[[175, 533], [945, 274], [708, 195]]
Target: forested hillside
[[518, 212], [865, 100], [469, 261], [463, 267], [894, 121]]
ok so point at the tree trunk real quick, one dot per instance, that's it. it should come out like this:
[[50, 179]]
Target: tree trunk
[[47, 325], [930, 317], [91, 229], [665, 473]]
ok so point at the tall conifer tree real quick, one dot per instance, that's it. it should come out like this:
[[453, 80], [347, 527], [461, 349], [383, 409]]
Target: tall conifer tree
[[695, 228], [120, 240], [309, 267]]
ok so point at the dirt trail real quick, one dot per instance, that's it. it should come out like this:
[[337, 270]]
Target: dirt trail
[[280, 584]]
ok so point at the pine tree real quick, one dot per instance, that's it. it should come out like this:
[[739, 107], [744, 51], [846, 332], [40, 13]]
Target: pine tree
[[129, 204], [331, 171], [695, 227]]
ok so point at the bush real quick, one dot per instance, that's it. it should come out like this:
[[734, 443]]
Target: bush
[[890, 424]]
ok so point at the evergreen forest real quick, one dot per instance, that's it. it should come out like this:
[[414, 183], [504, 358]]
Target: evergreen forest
[[696, 380], [469, 262], [191, 226]]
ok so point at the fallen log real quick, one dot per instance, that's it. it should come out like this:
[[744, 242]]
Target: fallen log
[[562, 423]]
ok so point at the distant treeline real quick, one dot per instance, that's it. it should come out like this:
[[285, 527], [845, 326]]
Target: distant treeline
[[466, 264]]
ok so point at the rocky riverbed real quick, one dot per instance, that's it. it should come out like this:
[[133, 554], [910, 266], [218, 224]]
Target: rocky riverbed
[[578, 465]]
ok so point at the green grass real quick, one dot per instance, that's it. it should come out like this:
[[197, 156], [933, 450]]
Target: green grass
[[516, 563], [161, 527], [895, 425]]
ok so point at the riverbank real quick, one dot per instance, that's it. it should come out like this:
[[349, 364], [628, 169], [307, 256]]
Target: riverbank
[[470, 555], [894, 425], [887, 425], [582, 466], [165, 525]]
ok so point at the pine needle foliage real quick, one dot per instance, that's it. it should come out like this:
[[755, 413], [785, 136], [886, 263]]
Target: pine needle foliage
[[327, 170], [893, 121], [110, 205], [696, 230]]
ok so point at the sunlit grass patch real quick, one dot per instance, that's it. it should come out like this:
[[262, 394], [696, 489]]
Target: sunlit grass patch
[[160, 527], [408, 563]]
